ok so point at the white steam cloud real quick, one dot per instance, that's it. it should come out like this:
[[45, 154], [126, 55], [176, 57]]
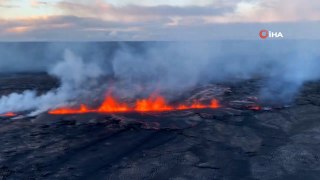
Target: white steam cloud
[[75, 76], [172, 68]]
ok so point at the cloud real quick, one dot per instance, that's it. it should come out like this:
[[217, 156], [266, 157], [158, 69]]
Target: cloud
[[6, 4], [129, 13], [275, 11], [62, 28], [36, 3], [212, 11], [73, 28], [108, 20]]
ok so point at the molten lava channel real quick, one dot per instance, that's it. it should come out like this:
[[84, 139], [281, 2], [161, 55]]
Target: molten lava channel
[[8, 114], [151, 104]]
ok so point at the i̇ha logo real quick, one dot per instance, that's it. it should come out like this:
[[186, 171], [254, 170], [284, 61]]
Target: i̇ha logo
[[264, 34]]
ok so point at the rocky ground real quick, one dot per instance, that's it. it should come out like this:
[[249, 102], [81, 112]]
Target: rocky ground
[[236, 141]]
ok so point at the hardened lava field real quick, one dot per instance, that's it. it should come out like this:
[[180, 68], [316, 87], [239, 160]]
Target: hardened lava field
[[241, 139]]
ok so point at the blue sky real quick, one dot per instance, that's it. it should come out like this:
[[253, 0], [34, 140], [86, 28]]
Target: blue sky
[[91, 20]]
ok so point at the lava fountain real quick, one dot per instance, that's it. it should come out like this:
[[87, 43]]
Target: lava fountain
[[154, 103]]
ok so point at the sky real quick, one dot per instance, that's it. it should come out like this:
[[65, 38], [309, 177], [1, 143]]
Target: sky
[[133, 20]]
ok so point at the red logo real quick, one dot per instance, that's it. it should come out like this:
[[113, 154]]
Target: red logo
[[264, 34]]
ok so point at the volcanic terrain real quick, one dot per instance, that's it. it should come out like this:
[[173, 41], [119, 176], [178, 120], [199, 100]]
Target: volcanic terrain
[[239, 139]]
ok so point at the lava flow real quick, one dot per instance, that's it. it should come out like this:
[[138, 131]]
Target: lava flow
[[154, 103], [8, 114], [255, 108]]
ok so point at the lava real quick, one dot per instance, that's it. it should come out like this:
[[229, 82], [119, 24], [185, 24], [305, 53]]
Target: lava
[[82, 110], [214, 104], [8, 114], [197, 105], [110, 104], [255, 108], [157, 103], [154, 103]]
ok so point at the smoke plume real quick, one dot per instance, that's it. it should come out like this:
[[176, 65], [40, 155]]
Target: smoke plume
[[137, 69], [75, 77]]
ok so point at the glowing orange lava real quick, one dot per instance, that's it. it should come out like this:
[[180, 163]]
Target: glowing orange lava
[[8, 114], [155, 103], [214, 104], [255, 108], [197, 105], [111, 105], [82, 110], [182, 107]]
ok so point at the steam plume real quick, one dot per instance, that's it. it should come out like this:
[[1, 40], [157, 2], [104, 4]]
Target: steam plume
[[170, 68], [73, 74]]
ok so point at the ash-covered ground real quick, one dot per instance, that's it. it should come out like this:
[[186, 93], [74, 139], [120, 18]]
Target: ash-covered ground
[[236, 141]]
